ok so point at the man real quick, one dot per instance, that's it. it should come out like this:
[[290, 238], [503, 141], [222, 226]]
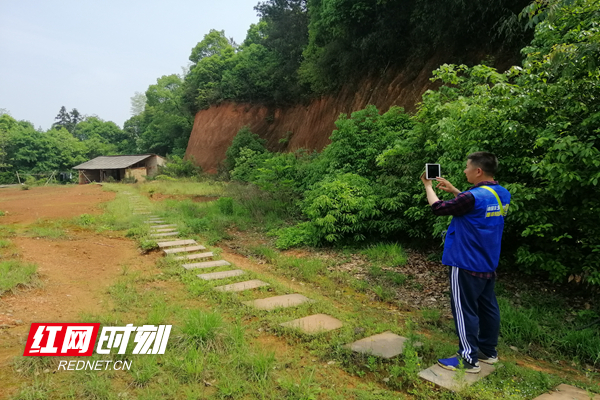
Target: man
[[472, 251]]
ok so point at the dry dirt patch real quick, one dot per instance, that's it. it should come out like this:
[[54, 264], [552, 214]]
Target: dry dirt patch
[[75, 272], [50, 202]]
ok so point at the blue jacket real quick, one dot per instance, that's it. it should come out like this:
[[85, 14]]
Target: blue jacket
[[473, 240]]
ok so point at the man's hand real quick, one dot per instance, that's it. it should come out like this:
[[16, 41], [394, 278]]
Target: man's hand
[[431, 196], [446, 186], [426, 182]]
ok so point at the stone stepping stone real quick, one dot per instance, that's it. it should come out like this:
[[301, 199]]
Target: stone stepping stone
[[163, 230], [163, 226], [195, 256], [447, 379], [312, 324], [158, 235], [206, 264], [221, 275], [384, 345], [184, 249], [271, 303], [567, 392], [176, 243], [155, 221], [241, 286]]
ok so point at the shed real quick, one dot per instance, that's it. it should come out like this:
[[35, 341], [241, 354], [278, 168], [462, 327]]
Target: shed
[[103, 168]]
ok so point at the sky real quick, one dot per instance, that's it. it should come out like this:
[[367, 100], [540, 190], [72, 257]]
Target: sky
[[93, 55]]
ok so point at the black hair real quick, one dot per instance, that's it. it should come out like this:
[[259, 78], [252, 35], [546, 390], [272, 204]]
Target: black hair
[[488, 162]]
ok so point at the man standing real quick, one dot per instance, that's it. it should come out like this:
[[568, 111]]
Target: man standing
[[472, 251]]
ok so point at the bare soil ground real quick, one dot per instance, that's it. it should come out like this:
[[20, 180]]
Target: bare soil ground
[[75, 272]]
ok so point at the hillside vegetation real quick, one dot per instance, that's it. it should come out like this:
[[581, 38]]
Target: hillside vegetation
[[541, 120]]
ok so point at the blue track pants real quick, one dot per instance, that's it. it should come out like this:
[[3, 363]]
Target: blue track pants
[[476, 314]]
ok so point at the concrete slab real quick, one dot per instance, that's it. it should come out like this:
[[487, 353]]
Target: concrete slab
[[317, 323], [206, 264], [447, 379], [271, 303], [163, 230], [195, 256], [241, 286], [184, 249], [159, 235], [384, 345], [221, 275], [567, 392], [163, 226], [157, 221], [176, 243]]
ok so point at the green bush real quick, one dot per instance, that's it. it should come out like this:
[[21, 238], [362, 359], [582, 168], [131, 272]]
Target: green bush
[[225, 205], [177, 167], [342, 206], [244, 139]]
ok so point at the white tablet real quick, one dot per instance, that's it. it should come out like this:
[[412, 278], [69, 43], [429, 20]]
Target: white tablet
[[432, 171]]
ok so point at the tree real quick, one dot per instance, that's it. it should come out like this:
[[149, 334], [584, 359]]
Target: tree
[[67, 120], [165, 125], [214, 43], [138, 102]]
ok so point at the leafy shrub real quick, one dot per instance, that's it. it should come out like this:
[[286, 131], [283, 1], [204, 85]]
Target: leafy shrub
[[341, 206], [225, 205], [164, 178], [302, 234], [248, 163], [244, 139], [177, 167], [197, 225]]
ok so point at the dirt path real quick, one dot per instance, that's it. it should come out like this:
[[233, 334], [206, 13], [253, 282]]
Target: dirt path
[[75, 271]]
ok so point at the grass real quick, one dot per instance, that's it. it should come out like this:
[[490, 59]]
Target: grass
[[16, 274], [543, 332], [207, 188], [220, 348], [386, 254]]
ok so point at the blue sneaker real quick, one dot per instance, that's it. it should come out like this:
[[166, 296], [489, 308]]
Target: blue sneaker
[[453, 364]]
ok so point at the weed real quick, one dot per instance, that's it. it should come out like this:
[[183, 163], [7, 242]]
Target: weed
[[259, 365], [15, 274], [360, 285], [264, 252], [203, 329], [396, 277], [97, 387], [2, 213], [124, 295], [4, 243], [309, 269], [197, 225], [85, 220], [225, 204], [305, 389], [39, 389], [432, 316], [386, 254], [158, 314], [147, 245], [46, 232], [32, 366], [143, 370], [384, 294]]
